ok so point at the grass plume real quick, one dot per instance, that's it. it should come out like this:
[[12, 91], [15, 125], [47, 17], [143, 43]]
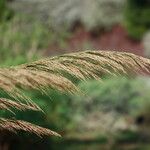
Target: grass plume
[[56, 73]]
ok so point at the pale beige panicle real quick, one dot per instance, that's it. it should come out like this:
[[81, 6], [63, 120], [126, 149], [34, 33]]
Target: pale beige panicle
[[14, 125], [61, 73]]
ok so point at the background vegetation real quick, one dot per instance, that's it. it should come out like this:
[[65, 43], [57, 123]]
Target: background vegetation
[[137, 17]]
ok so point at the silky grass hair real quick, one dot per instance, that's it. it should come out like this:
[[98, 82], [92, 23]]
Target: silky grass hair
[[59, 73]]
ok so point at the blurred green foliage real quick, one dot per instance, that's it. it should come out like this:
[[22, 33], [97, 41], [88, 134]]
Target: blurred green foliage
[[26, 39], [137, 20], [5, 12], [2, 8], [20, 40], [119, 94]]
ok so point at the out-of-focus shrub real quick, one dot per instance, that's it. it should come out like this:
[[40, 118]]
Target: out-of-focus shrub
[[65, 13], [23, 39], [146, 44], [17, 38], [5, 13], [102, 14], [120, 94], [3, 9], [116, 98], [137, 20]]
